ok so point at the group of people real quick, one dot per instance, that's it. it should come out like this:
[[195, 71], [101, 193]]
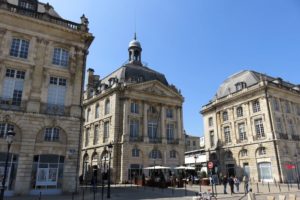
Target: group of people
[[234, 182]]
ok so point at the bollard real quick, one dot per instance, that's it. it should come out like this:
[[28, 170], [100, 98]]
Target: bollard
[[257, 187], [216, 192], [40, 197], [288, 186], [279, 187], [269, 186], [185, 192], [275, 182]]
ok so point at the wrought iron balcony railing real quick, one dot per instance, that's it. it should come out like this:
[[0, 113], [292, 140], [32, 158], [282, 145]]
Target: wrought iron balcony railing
[[136, 139], [11, 104], [172, 141], [283, 136], [155, 140]]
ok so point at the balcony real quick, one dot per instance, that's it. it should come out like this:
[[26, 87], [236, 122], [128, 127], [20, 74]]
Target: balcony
[[172, 141], [155, 140], [283, 136], [296, 137], [259, 137], [136, 139], [11, 104], [242, 140], [53, 109], [41, 16]]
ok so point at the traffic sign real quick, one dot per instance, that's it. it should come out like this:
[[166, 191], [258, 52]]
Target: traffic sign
[[210, 165]]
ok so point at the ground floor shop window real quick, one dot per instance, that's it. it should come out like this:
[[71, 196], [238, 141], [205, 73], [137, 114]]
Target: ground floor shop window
[[47, 172], [11, 169], [265, 171]]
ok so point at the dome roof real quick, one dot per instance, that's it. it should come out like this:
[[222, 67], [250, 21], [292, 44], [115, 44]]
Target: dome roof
[[134, 43]]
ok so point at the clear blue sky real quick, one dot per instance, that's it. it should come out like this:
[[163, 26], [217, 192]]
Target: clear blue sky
[[197, 44]]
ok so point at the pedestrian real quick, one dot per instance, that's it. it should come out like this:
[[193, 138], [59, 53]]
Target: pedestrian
[[231, 184], [225, 181], [246, 184], [237, 184]]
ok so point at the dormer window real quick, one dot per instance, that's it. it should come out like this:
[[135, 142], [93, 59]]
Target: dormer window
[[30, 5], [240, 85]]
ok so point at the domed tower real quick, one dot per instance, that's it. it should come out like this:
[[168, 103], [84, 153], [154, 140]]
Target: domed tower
[[135, 51]]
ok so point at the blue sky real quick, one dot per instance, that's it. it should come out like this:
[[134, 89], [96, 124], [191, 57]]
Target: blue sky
[[197, 44]]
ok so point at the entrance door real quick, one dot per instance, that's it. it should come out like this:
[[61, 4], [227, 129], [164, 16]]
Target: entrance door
[[246, 169], [265, 171], [230, 170]]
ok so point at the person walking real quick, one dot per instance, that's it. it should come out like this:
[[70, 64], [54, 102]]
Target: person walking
[[246, 184], [237, 184], [231, 184], [225, 181]]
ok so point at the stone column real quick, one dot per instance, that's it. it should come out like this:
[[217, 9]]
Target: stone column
[[145, 123], [163, 125], [179, 122], [125, 121]]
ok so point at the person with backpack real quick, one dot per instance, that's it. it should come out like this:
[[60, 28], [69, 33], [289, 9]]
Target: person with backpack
[[231, 184]]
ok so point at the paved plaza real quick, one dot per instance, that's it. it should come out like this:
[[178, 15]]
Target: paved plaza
[[133, 192]]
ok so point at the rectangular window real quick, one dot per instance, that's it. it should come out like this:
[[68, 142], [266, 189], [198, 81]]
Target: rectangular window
[[27, 5], [242, 131], [57, 91], [96, 135], [60, 57], [152, 130], [97, 111], [19, 48], [169, 113], [256, 106], [51, 134], [134, 128], [259, 128], [13, 87], [276, 104], [135, 152], [291, 127], [212, 138], [210, 122], [279, 125], [194, 143], [298, 109], [87, 137], [4, 128], [287, 107], [134, 108], [227, 136], [106, 132], [88, 115], [170, 132]]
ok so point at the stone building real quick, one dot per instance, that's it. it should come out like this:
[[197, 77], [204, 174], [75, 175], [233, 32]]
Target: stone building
[[136, 110], [42, 67], [191, 142], [252, 127]]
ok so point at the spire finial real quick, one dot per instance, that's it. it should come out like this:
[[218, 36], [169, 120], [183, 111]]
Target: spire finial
[[134, 36]]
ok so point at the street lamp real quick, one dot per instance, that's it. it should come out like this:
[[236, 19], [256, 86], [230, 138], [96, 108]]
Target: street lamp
[[9, 139], [110, 147], [195, 156]]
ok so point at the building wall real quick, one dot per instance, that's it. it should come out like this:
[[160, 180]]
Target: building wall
[[32, 116]]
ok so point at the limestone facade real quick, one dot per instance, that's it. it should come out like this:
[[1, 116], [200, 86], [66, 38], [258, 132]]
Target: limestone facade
[[42, 66], [136, 110], [252, 127]]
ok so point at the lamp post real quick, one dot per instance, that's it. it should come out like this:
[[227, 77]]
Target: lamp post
[[296, 168], [110, 147], [195, 156], [9, 139]]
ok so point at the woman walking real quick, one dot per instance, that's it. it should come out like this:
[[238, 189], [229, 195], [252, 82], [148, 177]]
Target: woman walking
[[237, 184]]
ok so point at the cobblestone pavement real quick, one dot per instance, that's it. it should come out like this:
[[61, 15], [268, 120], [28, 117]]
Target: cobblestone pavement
[[131, 192]]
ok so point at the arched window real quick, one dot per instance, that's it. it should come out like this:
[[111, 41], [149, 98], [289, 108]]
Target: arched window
[[228, 155], [243, 153], [88, 114], [261, 151], [239, 111], [173, 154], [97, 108], [51, 134], [225, 116], [135, 152], [4, 128], [154, 154], [107, 107]]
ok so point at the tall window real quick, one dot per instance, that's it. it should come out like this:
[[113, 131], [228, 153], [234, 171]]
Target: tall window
[[152, 130], [106, 131], [107, 107], [57, 91], [135, 152], [13, 87], [169, 113], [51, 134], [134, 107], [87, 136], [227, 136], [154, 154], [212, 138], [134, 128], [261, 151], [242, 131], [170, 132], [287, 107], [19, 48], [97, 109], [291, 127], [265, 171], [210, 122], [256, 106], [244, 153], [298, 109], [239, 111], [60, 57], [225, 116], [4, 128], [96, 134], [259, 128], [173, 154], [276, 104], [279, 125], [27, 5], [88, 112]]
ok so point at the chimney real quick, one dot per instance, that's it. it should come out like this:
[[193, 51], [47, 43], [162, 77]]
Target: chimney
[[90, 83]]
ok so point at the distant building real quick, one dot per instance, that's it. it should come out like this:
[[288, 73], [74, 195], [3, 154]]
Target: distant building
[[191, 142], [139, 112], [252, 127]]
